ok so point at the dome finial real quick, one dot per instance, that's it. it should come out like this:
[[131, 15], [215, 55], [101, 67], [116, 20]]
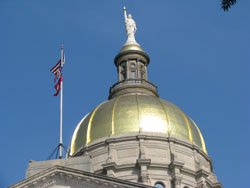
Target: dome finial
[[130, 27]]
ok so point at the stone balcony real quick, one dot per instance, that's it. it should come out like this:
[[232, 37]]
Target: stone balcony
[[128, 86]]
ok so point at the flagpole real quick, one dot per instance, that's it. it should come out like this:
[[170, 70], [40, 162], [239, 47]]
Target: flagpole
[[61, 107]]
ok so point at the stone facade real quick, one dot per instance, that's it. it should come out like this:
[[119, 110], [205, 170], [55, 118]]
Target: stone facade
[[140, 159], [149, 158]]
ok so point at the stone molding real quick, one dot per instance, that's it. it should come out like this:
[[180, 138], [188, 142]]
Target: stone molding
[[157, 158], [135, 136], [63, 176]]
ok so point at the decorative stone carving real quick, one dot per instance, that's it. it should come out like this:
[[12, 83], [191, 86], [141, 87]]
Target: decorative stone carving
[[203, 185], [145, 179], [142, 149], [110, 153], [196, 160], [177, 182]]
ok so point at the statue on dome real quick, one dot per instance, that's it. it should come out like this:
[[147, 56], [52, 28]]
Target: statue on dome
[[130, 27]]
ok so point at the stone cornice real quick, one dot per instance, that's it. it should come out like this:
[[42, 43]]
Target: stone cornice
[[143, 162], [69, 172], [145, 135]]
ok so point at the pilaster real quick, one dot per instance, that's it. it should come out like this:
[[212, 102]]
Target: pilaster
[[143, 162]]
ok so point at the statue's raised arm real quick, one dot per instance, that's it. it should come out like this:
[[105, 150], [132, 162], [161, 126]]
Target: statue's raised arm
[[125, 13], [130, 27]]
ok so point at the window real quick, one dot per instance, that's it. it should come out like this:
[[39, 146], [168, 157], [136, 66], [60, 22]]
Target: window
[[124, 75], [159, 185], [132, 66], [132, 71], [142, 71], [123, 70], [142, 75], [133, 74]]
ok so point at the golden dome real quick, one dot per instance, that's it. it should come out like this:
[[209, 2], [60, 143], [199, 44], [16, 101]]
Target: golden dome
[[131, 47], [135, 113]]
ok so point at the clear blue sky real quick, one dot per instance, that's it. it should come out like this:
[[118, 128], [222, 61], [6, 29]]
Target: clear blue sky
[[200, 60]]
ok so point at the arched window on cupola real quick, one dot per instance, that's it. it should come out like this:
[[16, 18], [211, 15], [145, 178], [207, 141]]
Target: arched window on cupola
[[132, 70], [123, 70], [142, 72]]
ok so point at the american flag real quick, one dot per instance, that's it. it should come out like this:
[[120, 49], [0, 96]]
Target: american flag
[[57, 71]]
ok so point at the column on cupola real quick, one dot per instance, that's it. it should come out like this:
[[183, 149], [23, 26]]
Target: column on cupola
[[132, 68]]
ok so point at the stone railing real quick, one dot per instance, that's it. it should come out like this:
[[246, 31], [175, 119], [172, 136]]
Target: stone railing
[[128, 83]]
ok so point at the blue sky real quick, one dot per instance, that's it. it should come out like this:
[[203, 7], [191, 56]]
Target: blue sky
[[200, 60]]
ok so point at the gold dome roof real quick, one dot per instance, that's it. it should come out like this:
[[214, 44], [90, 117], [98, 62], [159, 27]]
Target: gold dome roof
[[131, 47], [135, 113]]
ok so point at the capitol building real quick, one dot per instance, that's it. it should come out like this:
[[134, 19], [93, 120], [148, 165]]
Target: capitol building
[[133, 139]]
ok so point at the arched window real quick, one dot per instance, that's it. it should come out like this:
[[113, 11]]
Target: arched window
[[133, 74], [132, 71], [142, 70], [132, 66], [159, 185], [124, 70]]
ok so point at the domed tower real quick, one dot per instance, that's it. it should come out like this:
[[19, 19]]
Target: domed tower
[[139, 137]]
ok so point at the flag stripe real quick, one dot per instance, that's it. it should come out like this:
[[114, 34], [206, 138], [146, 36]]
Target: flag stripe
[[57, 71], [58, 86], [56, 67]]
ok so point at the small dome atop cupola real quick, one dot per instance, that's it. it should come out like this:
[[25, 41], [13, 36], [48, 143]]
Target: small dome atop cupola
[[131, 47]]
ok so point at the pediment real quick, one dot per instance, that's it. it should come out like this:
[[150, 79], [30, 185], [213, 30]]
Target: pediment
[[63, 177]]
